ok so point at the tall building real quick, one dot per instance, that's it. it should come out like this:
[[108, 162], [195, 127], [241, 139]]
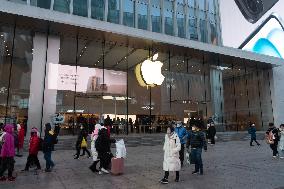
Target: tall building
[[84, 59]]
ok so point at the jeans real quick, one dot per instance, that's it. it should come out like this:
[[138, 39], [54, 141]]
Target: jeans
[[32, 159], [196, 155], [49, 162], [7, 163], [181, 154], [274, 148]]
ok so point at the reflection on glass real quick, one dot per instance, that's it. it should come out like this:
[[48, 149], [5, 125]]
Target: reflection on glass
[[62, 6], [181, 25], [41, 3], [156, 19], [113, 11], [203, 31], [168, 13], [19, 1], [142, 12], [128, 13], [80, 7], [98, 7]]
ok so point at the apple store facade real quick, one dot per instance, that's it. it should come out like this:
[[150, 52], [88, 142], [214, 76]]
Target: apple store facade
[[84, 68]]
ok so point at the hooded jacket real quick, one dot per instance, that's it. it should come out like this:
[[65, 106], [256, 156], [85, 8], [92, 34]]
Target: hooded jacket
[[21, 135], [94, 137], [34, 144], [49, 139], [171, 149], [8, 147], [182, 133]]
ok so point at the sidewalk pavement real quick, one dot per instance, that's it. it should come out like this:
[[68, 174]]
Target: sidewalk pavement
[[227, 165]]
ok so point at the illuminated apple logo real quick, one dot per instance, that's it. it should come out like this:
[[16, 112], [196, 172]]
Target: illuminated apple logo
[[149, 73]]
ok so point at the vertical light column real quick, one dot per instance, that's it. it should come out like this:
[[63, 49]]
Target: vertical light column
[[71, 6], [49, 106], [175, 18], [37, 81], [207, 21], [121, 3], [51, 4], [186, 13], [149, 15], [198, 20], [89, 8], [135, 14], [218, 23], [162, 15], [28, 2], [106, 10]]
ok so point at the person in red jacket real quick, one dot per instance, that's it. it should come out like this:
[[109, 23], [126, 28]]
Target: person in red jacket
[[21, 138], [33, 150]]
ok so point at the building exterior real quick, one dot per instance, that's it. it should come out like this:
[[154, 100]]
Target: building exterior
[[77, 58]]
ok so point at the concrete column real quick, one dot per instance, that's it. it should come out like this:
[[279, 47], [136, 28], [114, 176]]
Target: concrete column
[[198, 20], [49, 106], [51, 4], [28, 2], [106, 10], [37, 81], [135, 14], [217, 96]]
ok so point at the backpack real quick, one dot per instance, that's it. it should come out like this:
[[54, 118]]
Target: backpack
[[270, 137]]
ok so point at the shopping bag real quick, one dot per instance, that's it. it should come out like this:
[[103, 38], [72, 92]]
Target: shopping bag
[[120, 149], [83, 143], [188, 157]]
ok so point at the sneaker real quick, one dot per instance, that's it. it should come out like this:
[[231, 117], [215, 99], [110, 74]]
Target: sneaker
[[3, 178], [76, 157], [104, 171], [100, 173], [281, 157], [164, 181], [195, 172], [274, 156], [258, 144], [47, 170], [12, 178]]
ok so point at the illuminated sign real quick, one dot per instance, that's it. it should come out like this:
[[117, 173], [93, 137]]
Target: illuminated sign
[[149, 73]]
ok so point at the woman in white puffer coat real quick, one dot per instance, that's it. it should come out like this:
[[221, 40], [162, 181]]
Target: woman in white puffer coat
[[171, 149], [94, 137]]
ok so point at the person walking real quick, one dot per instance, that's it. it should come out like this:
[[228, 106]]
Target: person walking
[[197, 141], [7, 154], [182, 134], [34, 146], [272, 138], [211, 133], [102, 146], [171, 148], [252, 132], [21, 138], [48, 146], [82, 143], [94, 137], [281, 142]]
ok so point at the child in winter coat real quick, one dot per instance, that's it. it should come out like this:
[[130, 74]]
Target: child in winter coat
[[281, 142], [33, 150], [94, 137], [171, 149], [7, 154]]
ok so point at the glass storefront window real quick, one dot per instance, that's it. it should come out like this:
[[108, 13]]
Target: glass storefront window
[[80, 7], [211, 6], [142, 12], [191, 3], [41, 3], [156, 18], [113, 11], [128, 13], [181, 21], [168, 13], [193, 29], [62, 6], [201, 4], [19, 1], [98, 9]]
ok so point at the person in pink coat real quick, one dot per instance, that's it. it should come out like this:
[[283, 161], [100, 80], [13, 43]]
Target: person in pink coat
[[7, 154]]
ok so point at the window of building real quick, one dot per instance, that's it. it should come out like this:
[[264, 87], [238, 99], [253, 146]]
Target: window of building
[[128, 13], [156, 16], [181, 21], [80, 7], [98, 9], [168, 14], [62, 6], [41, 3], [142, 12], [113, 11]]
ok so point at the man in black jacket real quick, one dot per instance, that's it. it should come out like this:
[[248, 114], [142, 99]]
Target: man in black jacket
[[48, 146], [211, 133], [196, 139]]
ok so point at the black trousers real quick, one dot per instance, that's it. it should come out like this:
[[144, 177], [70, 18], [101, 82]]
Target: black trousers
[[167, 173], [93, 167], [274, 148], [85, 150], [212, 140], [7, 164], [181, 154], [32, 159], [253, 139], [105, 159]]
